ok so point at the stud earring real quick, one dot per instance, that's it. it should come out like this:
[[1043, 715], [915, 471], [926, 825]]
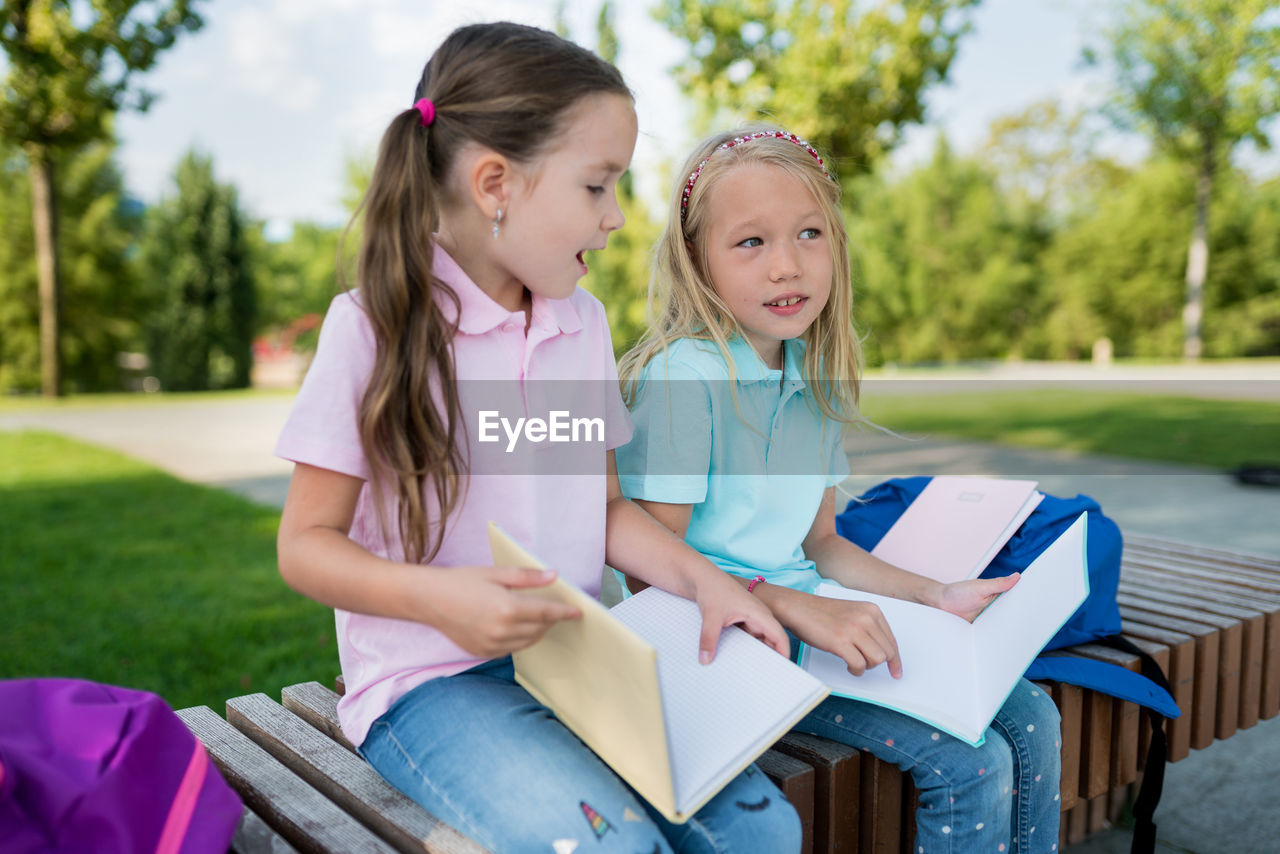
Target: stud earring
[[497, 222]]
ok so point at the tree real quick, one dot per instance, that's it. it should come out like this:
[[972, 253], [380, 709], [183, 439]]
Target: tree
[[847, 76], [298, 275], [70, 70], [202, 314], [1200, 77], [1048, 157], [1114, 271], [100, 225], [945, 267]]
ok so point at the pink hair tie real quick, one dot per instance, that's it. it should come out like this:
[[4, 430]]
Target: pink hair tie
[[428, 111]]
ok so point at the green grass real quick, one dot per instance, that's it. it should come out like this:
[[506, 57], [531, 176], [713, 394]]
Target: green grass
[[117, 572], [1198, 431]]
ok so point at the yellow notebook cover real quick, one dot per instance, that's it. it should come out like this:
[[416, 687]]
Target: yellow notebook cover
[[604, 676]]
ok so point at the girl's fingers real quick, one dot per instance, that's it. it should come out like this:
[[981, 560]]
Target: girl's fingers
[[545, 613], [854, 661], [770, 634], [710, 637], [523, 576], [776, 638]]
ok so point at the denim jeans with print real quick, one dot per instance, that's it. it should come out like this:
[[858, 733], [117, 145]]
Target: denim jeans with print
[[999, 797], [486, 758]]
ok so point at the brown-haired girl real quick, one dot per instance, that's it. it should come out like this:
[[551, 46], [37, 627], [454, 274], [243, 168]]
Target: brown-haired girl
[[486, 195]]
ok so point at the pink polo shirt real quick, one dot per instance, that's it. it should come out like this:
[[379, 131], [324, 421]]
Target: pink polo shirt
[[541, 479]]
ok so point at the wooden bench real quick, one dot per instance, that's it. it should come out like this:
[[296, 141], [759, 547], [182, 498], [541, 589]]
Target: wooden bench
[[1210, 617]]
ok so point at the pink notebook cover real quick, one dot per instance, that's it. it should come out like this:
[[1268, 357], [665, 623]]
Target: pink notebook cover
[[956, 526]]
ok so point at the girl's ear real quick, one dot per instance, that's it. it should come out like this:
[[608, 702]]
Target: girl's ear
[[490, 182]]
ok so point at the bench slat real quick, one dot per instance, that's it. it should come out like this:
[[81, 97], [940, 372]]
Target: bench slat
[[307, 819], [318, 706], [837, 770], [1231, 661], [1180, 650], [1095, 744], [1070, 702], [1253, 645], [1123, 757], [1194, 551], [1268, 677], [1161, 655], [255, 836], [345, 778], [1202, 709], [796, 780], [881, 802]]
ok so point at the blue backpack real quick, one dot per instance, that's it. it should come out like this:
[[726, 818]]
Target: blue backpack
[[867, 518]]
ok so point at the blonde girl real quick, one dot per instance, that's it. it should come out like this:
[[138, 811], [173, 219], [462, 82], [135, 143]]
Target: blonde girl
[[739, 393], [487, 193]]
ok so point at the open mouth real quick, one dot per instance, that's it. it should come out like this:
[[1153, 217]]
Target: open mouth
[[787, 306]]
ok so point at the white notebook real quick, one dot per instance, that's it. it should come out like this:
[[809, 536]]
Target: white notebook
[[627, 681], [955, 674]]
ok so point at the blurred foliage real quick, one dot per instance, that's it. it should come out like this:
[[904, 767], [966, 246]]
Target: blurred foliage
[[847, 76], [100, 305], [197, 263], [296, 276], [1035, 244], [946, 266], [1198, 77], [1116, 270], [70, 67]]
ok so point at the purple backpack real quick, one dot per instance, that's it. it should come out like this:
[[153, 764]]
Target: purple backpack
[[92, 767]]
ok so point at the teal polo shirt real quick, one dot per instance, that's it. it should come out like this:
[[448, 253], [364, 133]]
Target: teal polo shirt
[[753, 455]]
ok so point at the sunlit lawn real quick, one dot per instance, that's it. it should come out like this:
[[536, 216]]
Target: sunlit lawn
[[1218, 433], [118, 572]]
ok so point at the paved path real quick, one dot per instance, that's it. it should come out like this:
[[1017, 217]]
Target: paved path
[[1223, 798]]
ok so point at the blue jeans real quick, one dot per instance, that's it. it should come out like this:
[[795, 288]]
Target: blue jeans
[[485, 757], [999, 797]]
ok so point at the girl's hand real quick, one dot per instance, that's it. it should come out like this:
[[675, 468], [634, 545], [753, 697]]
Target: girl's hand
[[723, 602], [484, 615], [968, 598], [855, 631]]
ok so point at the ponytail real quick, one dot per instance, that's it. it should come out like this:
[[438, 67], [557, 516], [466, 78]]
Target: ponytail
[[503, 86], [410, 415]]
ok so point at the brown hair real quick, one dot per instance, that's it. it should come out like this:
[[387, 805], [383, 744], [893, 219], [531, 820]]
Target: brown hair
[[683, 302], [507, 88]]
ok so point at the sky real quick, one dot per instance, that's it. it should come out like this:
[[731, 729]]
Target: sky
[[282, 92]]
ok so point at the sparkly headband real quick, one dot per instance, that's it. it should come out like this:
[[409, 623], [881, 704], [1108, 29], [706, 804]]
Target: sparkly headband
[[767, 134]]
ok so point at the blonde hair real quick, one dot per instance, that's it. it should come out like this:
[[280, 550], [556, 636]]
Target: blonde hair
[[683, 302]]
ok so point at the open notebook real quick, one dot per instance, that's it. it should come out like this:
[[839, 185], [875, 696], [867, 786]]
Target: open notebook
[[628, 683], [955, 674], [957, 525]]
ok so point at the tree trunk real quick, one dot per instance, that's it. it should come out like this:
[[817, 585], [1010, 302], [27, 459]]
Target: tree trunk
[[1197, 263], [44, 213]]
